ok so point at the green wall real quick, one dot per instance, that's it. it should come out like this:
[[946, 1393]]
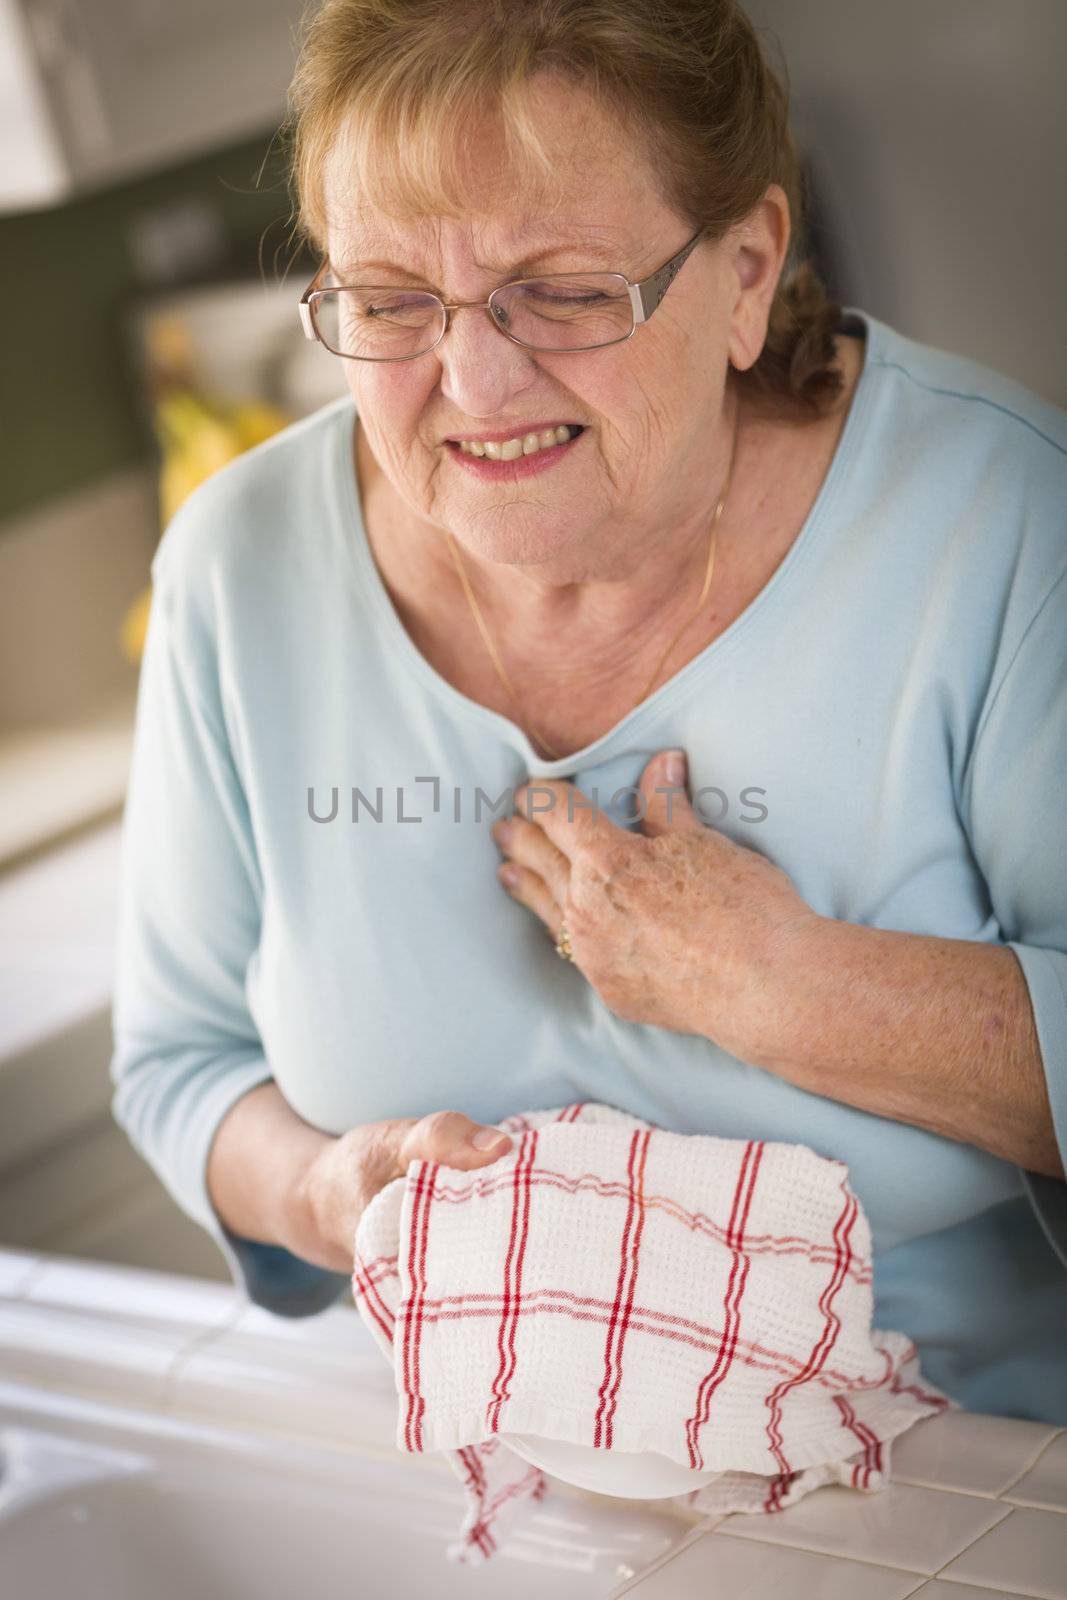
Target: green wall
[[69, 409]]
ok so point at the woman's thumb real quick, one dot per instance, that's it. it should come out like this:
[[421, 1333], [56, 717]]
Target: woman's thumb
[[454, 1139], [488, 1139]]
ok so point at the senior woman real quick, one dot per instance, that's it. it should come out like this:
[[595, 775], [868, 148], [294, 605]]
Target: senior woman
[[754, 608]]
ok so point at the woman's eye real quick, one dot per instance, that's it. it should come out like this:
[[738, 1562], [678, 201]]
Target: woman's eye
[[544, 298], [390, 307]]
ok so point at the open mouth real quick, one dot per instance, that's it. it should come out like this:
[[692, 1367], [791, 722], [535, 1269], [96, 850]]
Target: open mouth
[[516, 447]]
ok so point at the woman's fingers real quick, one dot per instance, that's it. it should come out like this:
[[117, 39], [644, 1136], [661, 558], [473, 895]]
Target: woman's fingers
[[532, 891], [570, 822], [566, 832], [526, 845]]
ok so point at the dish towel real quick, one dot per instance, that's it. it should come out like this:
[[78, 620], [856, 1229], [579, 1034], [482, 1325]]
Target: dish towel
[[622, 1287]]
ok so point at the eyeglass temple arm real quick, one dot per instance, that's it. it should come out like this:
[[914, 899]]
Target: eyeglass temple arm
[[646, 295], [305, 304]]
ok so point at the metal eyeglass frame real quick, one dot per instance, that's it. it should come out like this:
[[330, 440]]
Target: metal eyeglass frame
[[644, 298]]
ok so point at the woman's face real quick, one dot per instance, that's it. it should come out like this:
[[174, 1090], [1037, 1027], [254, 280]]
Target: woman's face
[[652, 406]]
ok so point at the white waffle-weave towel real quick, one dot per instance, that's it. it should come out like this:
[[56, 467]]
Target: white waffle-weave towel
[[626, 1288]]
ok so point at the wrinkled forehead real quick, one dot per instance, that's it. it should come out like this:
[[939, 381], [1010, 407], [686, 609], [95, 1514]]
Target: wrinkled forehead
[[503, 246], [464, 179]]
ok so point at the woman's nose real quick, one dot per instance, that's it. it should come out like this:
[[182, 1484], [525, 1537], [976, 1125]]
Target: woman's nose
[[481, 368]]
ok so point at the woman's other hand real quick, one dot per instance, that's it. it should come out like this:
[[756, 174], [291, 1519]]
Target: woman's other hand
[[348, 1172], [675, 925]]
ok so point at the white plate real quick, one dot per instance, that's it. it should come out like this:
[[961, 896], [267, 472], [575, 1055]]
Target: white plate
[[645, 1475]]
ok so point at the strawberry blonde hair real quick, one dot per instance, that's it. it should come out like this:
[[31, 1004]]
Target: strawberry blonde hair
[[687, 78]]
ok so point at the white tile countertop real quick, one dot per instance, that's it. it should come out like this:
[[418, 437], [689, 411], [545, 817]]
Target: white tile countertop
[[977, 1506]]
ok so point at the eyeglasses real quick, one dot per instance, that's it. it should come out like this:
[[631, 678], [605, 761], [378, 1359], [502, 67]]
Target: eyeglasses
[[557, 311]]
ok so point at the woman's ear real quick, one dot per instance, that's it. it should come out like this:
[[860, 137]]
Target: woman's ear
[[757, 251]]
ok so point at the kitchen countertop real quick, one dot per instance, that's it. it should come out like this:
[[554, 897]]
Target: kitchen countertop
[[976, 1509]]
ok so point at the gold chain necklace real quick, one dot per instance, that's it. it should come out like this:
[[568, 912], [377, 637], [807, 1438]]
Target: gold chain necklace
[[499, 665]]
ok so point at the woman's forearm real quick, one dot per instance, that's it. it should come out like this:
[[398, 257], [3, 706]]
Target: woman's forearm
[[258, 1159], [935, 1032]]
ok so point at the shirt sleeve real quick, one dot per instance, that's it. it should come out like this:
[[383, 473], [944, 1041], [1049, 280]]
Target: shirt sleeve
[[1014, 811], [185, 1046]]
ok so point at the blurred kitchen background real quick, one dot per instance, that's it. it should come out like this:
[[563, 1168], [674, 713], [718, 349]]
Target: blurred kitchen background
[[149, 285]]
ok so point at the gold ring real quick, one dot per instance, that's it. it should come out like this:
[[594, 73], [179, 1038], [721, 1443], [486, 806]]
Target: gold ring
[[563, 943]]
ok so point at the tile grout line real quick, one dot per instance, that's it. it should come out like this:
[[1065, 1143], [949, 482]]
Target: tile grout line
[[841, 1555], [994, 1495], [838, 1555], [193, 1346], [828, 1555], [971, 1546], [1042, 1450], [697, 1532]]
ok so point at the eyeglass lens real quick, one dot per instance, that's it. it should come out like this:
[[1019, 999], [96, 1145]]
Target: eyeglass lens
[[549, 314]]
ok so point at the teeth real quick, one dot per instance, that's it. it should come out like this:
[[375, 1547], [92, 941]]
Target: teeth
[[510, 449]]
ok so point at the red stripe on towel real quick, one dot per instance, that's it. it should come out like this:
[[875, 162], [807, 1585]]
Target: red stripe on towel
[[743, 1192], [624, 1291], [420, 1227], [824, 1344], [520, 1222]]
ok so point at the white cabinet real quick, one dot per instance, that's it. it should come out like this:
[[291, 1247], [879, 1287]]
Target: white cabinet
[[93, 91]]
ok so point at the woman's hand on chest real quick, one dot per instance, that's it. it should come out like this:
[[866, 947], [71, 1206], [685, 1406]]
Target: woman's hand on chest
[[675, 925]]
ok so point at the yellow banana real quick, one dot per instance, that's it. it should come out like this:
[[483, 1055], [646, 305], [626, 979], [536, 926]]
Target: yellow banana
[[197, 438]]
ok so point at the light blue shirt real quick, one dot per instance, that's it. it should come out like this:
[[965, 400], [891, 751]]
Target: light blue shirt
[[887, 720]]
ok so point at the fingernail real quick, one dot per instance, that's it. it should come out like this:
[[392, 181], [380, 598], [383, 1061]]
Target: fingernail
[[485, 1138], [674, 767]]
